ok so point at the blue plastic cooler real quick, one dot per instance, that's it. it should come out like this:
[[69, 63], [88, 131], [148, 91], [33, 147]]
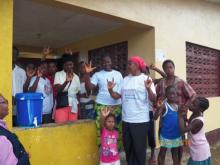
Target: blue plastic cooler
[[29, 108]]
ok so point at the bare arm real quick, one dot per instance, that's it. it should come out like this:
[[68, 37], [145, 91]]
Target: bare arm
[[153, 67], [114, 95], [159, 112], [152, 96], [148, 84], [111, 85], [104, 113], [88, 84], [60, 87], [194, 127], [189, 101]]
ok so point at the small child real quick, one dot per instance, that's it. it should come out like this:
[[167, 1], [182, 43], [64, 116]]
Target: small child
[[198, 145], [170, 135], [109, 137]]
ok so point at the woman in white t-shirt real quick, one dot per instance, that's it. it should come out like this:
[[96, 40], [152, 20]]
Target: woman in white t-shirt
[[40, 83], [67, 81], [103, 98], [136, 93]]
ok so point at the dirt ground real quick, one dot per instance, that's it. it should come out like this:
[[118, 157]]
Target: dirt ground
[[215, 149]]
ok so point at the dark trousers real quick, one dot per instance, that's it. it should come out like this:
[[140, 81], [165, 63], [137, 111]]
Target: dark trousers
[[134, 140], [151, 132]]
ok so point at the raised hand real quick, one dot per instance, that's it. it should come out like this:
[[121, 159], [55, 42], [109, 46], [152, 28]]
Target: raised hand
[[68, 51], [153, 66], [89, 68], [148, 82], [46, 51], [111, 84], [183, 111], [105, 112], [69, 77]]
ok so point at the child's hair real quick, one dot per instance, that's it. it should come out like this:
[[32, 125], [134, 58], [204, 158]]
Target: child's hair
[[203, 103], [169, 88], [110, 115], [166, 62]]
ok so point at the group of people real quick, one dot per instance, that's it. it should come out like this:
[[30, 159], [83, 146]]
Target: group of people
[[125, 108], [141, 103]]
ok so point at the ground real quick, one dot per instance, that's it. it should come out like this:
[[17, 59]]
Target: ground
[[215, 149]]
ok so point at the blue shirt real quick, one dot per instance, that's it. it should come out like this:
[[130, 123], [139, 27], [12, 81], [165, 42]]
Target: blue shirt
[[170, 124]]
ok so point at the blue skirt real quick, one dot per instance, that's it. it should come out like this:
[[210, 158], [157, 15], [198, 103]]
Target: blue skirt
[[204, 162]]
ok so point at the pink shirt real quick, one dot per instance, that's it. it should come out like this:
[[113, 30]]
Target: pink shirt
[[7, 156], [198, 144], [109, 147]]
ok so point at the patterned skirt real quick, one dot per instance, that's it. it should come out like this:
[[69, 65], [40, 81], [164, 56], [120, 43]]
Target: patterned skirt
[[170, 143], [117, 112], [204, 162]]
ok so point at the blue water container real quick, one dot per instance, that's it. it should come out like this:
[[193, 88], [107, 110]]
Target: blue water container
[[29, 108]]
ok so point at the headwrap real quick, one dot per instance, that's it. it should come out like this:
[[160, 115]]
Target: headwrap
[[138, 61], [66, 58]]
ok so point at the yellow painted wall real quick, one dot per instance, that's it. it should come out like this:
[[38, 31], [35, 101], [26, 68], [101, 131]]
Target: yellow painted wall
[[69, 144], [175, 22], [140, 42], [6, 15], [73, 143]]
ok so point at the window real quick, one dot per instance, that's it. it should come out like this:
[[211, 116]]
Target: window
[[118, 53], [203, 69]]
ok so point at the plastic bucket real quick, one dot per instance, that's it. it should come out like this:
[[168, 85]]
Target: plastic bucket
[[29, 107]]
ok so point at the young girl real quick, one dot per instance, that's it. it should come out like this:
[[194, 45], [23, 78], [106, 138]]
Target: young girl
[[170, 135], [109, 137], [198, 145]]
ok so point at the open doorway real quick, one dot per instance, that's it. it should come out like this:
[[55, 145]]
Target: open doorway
[[88, 33]]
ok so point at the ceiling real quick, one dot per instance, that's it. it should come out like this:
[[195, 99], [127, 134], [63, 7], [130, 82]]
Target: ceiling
[[38, 25], [214, 1]]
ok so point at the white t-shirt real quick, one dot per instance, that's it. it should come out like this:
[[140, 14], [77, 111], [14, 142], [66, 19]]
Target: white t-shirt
[[45, 88], [100, 79], [18, 79], [83, 91], [135, 101], [60, 78]]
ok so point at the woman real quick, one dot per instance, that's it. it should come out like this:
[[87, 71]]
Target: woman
[[136, 92], [67, 85], [40, 83], [86, 103], [185, 93], [12, 151], [103, 99]]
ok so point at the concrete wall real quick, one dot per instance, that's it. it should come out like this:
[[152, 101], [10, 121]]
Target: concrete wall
[[140, 42], [6, 14], [73, 143]]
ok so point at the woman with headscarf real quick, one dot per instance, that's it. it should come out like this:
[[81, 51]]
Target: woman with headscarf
[[136, 92], [67, 85]]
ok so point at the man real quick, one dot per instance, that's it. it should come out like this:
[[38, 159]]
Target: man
[[18, 79]]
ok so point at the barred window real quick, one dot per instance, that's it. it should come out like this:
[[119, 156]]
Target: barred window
[[118, 53], [203, 69]]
